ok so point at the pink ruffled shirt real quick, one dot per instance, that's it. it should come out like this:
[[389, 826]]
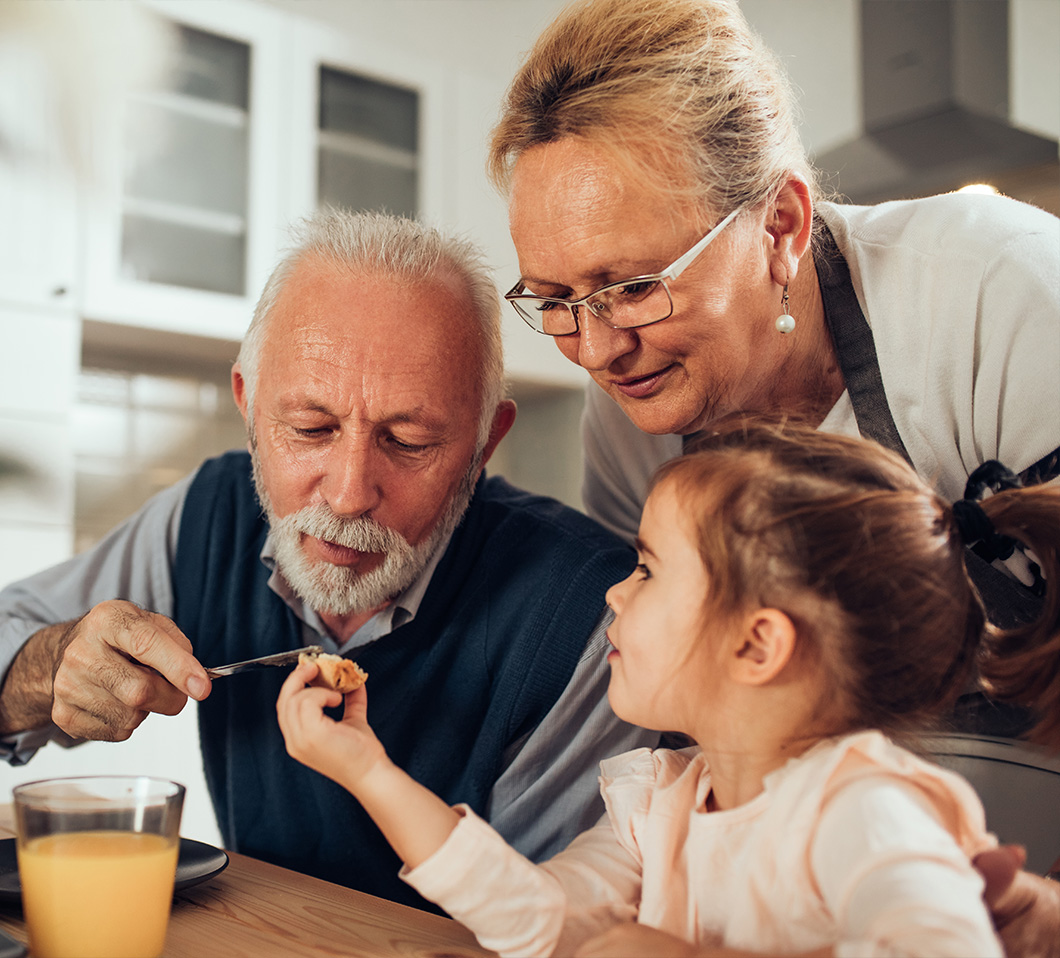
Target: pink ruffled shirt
[[856, 843]]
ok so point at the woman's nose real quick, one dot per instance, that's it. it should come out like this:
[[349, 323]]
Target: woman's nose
[[599, 345]]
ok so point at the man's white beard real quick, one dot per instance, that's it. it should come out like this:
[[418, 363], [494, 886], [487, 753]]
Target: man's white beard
[[342, 590]]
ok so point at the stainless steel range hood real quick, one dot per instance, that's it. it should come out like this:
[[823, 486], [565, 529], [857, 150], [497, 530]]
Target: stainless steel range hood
[[935, 101]]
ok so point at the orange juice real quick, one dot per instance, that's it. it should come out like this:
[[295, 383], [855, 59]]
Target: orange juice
[[97, 894]]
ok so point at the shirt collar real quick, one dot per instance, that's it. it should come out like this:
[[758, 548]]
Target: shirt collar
[[402, 610]]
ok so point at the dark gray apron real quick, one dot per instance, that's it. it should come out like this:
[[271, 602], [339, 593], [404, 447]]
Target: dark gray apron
[[1008, 601]]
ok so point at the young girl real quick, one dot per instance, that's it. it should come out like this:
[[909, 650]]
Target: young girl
[[798, 596]]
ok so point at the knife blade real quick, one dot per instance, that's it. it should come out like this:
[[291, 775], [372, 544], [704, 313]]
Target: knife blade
[[280, 658]]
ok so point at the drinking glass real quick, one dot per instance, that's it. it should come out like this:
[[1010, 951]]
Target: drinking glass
[[97, 859]]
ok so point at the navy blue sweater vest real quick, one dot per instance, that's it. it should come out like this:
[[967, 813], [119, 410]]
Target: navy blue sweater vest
[[494, 643]]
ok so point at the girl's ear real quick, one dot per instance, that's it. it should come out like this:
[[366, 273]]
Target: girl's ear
[[766, 645]]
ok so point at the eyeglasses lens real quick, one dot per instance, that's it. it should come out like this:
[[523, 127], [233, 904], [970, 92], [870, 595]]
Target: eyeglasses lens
[[623, 306]]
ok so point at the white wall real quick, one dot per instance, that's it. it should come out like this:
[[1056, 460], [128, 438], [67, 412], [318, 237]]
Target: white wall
[[817, 42], [1034, 55]]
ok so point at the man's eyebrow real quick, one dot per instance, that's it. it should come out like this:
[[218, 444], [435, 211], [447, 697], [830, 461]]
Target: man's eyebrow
[[416, 417], [288, 404]]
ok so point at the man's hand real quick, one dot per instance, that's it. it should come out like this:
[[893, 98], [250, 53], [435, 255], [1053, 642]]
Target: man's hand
[[100, 676], [1025, 907]]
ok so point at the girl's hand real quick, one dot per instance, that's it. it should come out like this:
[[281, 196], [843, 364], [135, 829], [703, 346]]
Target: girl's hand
[[346, 750], [1025, 907], [414, 820]]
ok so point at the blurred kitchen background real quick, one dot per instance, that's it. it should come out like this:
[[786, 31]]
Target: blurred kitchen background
[[152, 153]]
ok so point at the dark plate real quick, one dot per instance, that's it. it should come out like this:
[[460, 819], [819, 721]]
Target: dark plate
[[197, 862]]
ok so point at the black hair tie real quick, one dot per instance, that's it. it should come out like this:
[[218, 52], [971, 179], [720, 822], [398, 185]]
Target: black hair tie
[[990, 475], [974, 525]]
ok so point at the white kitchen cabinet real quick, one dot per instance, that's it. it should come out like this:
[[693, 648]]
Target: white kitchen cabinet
[[39, 356], [38, 259], [40, 352], [38, 196], [183, 228], [266, 116], [367, 126]]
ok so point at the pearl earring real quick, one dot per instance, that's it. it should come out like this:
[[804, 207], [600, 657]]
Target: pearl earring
[[785, 322]]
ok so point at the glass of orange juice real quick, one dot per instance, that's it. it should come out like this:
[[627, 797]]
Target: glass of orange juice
[[97, 858]]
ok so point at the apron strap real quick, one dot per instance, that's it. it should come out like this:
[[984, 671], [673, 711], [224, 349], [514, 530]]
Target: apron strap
[[854, 345], [1007, 601], [856, 352]]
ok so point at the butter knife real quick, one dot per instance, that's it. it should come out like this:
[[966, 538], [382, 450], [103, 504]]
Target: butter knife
[[280, 658]]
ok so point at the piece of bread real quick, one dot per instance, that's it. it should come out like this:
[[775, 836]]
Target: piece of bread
[[342, 675]]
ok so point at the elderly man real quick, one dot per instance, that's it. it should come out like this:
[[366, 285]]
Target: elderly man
[[372, 387]]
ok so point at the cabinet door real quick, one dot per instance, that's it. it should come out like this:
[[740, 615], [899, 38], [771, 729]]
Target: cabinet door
[[38, 199], [366, 125], [38, 233], [39, 357], [183, 232], [367, 143]]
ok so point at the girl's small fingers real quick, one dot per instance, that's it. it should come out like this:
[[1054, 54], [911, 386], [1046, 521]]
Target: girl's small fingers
[[300, 675], [312, 698], [295, 694], [306, 671], [356, 704]]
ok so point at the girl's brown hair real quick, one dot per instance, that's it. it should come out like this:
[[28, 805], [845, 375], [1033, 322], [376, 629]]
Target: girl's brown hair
[[681, 91], [868, 562]]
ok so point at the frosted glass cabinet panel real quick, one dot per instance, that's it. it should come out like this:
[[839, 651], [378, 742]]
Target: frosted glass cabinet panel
[[184, 197], [366, 108], [157, 250], [183, 227], [368, 144], [359, 183], [197, 157], [213, 68]]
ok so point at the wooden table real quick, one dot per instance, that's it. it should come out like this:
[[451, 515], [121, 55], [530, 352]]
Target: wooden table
[[258, 910]]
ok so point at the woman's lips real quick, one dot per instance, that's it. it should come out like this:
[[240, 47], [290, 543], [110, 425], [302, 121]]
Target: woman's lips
[[641, 386]]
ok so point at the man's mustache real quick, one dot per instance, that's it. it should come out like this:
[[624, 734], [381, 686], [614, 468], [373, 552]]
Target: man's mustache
[[353, 532]]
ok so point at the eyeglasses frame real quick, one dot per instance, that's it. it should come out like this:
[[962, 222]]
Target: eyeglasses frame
[[675, 269]]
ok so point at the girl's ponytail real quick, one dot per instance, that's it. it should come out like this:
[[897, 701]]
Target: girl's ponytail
[[872, 567]]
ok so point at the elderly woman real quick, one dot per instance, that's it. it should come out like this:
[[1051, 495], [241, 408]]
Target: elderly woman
[[673, 240]]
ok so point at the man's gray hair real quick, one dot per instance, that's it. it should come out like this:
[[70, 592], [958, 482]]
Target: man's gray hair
[[400, 248]]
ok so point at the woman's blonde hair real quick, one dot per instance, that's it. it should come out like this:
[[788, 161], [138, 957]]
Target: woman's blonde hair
[[680, 91]]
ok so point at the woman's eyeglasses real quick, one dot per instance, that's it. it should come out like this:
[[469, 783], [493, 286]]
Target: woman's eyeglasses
[[627, 304]]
